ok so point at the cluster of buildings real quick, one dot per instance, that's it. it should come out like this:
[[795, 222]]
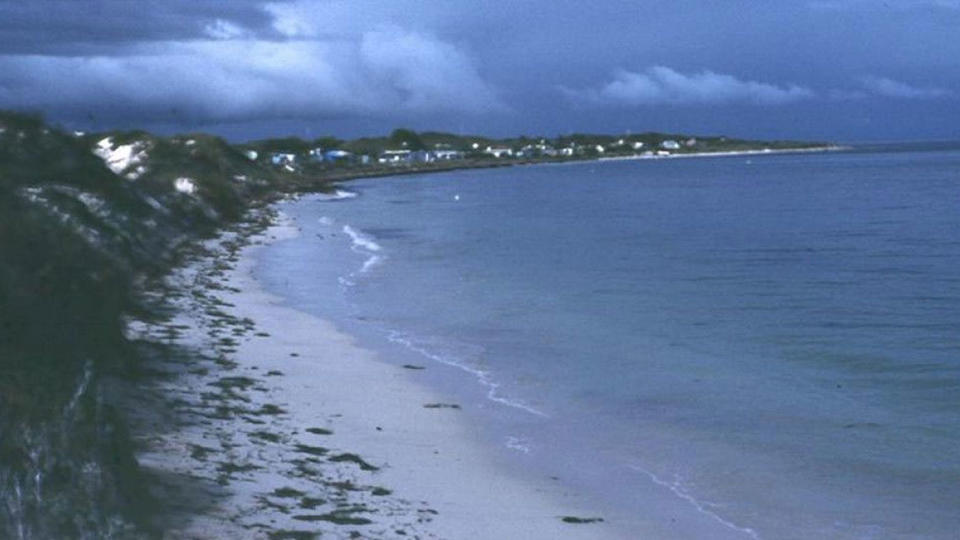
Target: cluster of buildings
[[620, 146], [420, 156], [291, 161], [444, 152]]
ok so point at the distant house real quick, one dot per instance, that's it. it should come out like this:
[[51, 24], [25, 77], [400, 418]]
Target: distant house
[[283, 158], [670, 144], [394, 156], [447, 155], [599, 148], [528, 151], [251, 155], [499, 151], [690, 142], [568, 151], [637, 145], [337, 155], [420, 156], [315, 154], [537, 150]]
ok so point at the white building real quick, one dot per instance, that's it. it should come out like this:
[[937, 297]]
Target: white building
[[394, 156], [670, 144], [283, 158], [499, 151], [447, 155]]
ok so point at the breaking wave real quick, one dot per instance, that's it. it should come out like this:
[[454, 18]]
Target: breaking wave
[[337, 195], [677, 488], [360, 242], [482, 376]]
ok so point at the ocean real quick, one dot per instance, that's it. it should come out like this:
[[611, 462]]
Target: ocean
[[723, 347]]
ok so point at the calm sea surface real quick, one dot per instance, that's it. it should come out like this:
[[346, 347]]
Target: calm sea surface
[[735, 347]]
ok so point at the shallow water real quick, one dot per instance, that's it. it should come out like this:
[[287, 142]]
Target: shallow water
[[761, 347]]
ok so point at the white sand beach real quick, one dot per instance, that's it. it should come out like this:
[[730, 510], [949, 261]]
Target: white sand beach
[[312, 434]]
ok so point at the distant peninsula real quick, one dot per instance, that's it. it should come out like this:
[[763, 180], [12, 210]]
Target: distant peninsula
[[406, 151]]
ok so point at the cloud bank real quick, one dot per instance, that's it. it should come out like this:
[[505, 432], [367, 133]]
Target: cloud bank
[[232, 75], [363, 66], [884, 87], [660, 85]]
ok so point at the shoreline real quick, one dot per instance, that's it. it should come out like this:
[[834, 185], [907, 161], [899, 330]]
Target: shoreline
[[734, 153], [315, 184], [290, 429]]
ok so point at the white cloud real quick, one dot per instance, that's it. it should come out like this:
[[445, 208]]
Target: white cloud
[[429, 73], [307, 19], [882, 86], [662, 85], [221, 29]]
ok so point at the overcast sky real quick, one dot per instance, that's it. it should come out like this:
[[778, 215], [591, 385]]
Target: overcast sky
[[826, 69]]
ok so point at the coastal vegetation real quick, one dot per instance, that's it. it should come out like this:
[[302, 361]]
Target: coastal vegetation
[[76, 239]]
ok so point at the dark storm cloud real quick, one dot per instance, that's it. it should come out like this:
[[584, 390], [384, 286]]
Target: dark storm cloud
[[184, 62], [60, 26], [738, 66]]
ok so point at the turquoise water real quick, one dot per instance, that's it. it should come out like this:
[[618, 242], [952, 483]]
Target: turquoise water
[[737, 347]]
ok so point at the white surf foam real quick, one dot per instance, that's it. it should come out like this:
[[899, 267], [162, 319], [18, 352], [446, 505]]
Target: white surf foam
[[518, 444], [337, 195], [702, 506], [483, 377], [360, 241], [370, 263], [360, 244]]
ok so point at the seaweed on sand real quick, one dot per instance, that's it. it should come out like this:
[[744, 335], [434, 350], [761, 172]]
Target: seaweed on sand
[[288, 492], [441, 406], [353, 458], [574, 519], [293, 535], [338, 517], [311, 450]]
